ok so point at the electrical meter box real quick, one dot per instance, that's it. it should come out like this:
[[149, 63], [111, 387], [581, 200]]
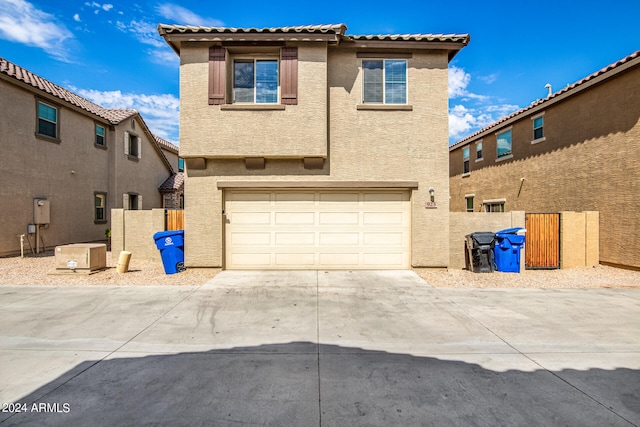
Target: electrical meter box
[[41, 211], [81, 257]]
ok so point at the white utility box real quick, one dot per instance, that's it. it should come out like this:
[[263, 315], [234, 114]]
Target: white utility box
[[81, 257]]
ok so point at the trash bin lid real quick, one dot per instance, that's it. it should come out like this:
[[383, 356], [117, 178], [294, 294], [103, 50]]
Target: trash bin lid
[[170, 233], [483, 237], [515, 230]]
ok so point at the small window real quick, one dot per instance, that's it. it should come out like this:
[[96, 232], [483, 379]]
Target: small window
[[469, 200], [255, 81], [503, 144], [100, 203], [131, 201], [465, 159], [180, 164], [384, 81], [494, 207], [479, 150], [132, 146], [100, 135], [47, 120], [538, 128]]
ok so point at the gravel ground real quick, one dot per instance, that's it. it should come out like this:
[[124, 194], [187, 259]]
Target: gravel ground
[[34, 270]]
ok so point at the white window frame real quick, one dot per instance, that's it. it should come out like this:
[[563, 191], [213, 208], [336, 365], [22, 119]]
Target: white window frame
[[255, 76], [128, 138], [481, 158], [497, 134], [533, 121], [56, 123], [466, 155], [103, 197], [104, 135], [384, 81], [488, 204]]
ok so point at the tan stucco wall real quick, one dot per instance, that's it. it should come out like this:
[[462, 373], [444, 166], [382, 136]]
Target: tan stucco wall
[[133, 231], [578, 239], [587, 163], [362, 145], [463, 223], [299, 131], [66, 173]]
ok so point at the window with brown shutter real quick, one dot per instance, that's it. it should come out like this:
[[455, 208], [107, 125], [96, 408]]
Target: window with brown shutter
[[217, 76], [289, 75]]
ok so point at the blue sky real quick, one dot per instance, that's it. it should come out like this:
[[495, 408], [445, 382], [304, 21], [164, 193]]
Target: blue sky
[[110, 52]]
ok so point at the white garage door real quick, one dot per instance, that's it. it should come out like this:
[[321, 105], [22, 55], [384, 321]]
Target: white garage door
[[317, 229]]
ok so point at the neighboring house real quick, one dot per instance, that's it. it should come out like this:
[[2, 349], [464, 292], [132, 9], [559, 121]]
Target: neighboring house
[[576, 150], [79, 159], [305, 147], [172, 189]]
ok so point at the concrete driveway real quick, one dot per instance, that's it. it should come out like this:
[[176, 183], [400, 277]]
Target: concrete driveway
[[318, 348]]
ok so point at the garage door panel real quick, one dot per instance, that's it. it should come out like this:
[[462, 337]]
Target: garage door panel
[[340, 259], [295, 259], [287, 238], [296, 198], [272, 229], [251, 218], [344, 238], [333, 218], [383, 218], [249, 238], [384, 239], [297, 218]]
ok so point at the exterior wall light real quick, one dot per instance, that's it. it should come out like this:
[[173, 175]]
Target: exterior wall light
[[432, 193]]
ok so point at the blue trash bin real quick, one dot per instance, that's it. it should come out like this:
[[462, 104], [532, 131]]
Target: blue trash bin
[[171, 246], [507, 249]]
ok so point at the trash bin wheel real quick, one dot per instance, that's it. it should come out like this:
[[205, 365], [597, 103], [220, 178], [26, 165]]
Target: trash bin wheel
[[180, 267]]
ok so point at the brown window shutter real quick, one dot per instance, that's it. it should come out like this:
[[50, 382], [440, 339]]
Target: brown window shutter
[[217, 74], [289, 75]]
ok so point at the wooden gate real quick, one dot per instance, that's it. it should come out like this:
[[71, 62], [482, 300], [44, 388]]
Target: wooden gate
[[542, 244], [174, 219]]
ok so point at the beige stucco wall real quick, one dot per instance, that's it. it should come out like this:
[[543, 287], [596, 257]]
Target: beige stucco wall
[[587, 163], [579, 239], [463, 223], [360, 146], [290, 132], [133, 231], [67, 173]]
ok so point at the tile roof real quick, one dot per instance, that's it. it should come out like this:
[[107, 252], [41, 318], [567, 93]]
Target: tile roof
[[567, 90], [114, 116], [166, 144], [173, 183], [330, 28], [454, 38]]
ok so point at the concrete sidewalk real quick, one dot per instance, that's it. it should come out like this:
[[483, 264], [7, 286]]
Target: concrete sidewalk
[[319, 348]]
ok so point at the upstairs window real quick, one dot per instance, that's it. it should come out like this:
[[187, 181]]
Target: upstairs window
[[384, 81], [465, 160], [100, 136], [255, 81], [180, 164], [47, 120], [478, 150], [503, 144], [132, 146], [538, 128]]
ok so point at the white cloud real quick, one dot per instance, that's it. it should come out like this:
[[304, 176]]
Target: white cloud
[[107, 7], [21, 22], [160, 112], [458, 82], [183, 16], [145, 32], [164, 57], [76, 17]]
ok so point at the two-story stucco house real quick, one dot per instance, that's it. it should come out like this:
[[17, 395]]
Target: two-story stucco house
[[575, 150], [67, 162], [309, 148]]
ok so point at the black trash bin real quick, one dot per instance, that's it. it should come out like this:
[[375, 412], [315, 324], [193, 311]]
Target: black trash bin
[[479, 253]]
